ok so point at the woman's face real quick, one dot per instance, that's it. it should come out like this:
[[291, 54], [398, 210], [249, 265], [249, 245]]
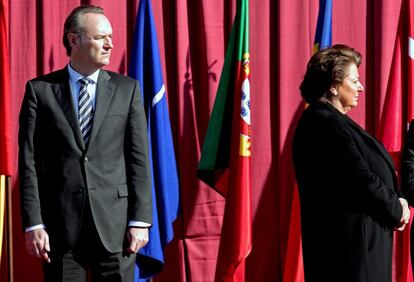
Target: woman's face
[[348, 91]]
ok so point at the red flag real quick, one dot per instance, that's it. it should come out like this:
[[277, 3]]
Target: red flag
[[5, 116], [399, 100], [409, 21], [398, 111], [5, 119], [293, 270]]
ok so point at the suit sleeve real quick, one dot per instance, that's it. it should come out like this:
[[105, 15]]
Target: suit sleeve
[[29, 194], [382, 199], [407, 166], [138, 167]]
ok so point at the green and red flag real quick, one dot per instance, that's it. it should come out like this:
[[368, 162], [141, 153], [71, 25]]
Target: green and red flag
[[226, 154]]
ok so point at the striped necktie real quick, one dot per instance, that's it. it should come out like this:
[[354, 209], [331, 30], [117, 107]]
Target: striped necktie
[[85, 110]]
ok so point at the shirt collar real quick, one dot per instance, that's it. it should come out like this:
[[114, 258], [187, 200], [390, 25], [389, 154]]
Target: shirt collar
[[74, 76]]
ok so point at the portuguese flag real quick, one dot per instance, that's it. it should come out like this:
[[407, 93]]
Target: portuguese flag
[[226, 154]]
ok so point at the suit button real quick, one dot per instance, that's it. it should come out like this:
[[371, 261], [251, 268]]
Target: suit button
[[86, 159]]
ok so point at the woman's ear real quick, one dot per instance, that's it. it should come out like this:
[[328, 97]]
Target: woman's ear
[[333, 90]]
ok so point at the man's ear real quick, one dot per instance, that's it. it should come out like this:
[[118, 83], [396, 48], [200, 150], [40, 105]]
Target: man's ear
[[73, 39]]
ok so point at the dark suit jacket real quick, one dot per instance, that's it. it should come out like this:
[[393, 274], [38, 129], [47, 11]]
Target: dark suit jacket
[[349, 204], [407, 176], [56, 169]]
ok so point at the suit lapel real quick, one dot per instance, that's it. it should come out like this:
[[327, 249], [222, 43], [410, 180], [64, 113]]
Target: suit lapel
[[61, 90], [104, 92]]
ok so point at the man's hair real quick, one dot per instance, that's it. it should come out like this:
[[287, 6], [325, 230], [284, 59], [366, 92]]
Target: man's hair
[[327, 68], [73, 23]]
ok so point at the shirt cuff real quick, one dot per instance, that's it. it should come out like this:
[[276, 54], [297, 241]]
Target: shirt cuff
[[140, 224], [34, 227]]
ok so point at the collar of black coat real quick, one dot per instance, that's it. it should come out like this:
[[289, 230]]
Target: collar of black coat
[[374, 142]]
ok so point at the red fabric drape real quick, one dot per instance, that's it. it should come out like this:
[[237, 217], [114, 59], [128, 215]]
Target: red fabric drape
[[193, 37]]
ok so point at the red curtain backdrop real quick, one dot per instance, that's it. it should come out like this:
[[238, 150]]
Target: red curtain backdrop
[[193, 37]]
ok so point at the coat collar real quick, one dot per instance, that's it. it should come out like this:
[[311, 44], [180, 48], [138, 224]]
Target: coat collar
[[376, 144], [61, 90], [104, 92]]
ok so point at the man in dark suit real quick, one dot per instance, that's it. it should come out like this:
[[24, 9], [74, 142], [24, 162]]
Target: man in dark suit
[[83, 161]]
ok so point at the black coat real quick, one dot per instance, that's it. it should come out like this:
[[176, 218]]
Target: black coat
[[407, 177], [56, 169], [348, 198]]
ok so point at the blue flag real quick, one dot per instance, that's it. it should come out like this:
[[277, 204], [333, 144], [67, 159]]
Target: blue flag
[[323, 35], [145, 66]]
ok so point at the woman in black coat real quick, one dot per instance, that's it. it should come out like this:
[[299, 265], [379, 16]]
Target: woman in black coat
[[349, 201], [407, 175]]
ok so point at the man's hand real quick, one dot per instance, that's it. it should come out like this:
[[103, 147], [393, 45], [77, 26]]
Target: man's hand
[[137, 238], [37, 244], [405, 218]]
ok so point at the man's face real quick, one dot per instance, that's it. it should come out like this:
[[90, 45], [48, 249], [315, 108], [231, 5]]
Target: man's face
[[95, 46]]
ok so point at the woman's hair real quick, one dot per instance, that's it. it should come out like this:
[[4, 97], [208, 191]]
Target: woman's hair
[[327, 68]]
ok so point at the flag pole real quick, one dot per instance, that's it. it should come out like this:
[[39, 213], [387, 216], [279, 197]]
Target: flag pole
[[6, 241], [2, 210], [9, 229]]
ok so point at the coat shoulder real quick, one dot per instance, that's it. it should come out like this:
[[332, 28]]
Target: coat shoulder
[[322, 116], [53, 77], [120, 78]]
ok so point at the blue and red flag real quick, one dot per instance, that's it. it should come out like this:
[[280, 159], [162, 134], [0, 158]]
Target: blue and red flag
[[145, 66], [323, 35], [294, 261]]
